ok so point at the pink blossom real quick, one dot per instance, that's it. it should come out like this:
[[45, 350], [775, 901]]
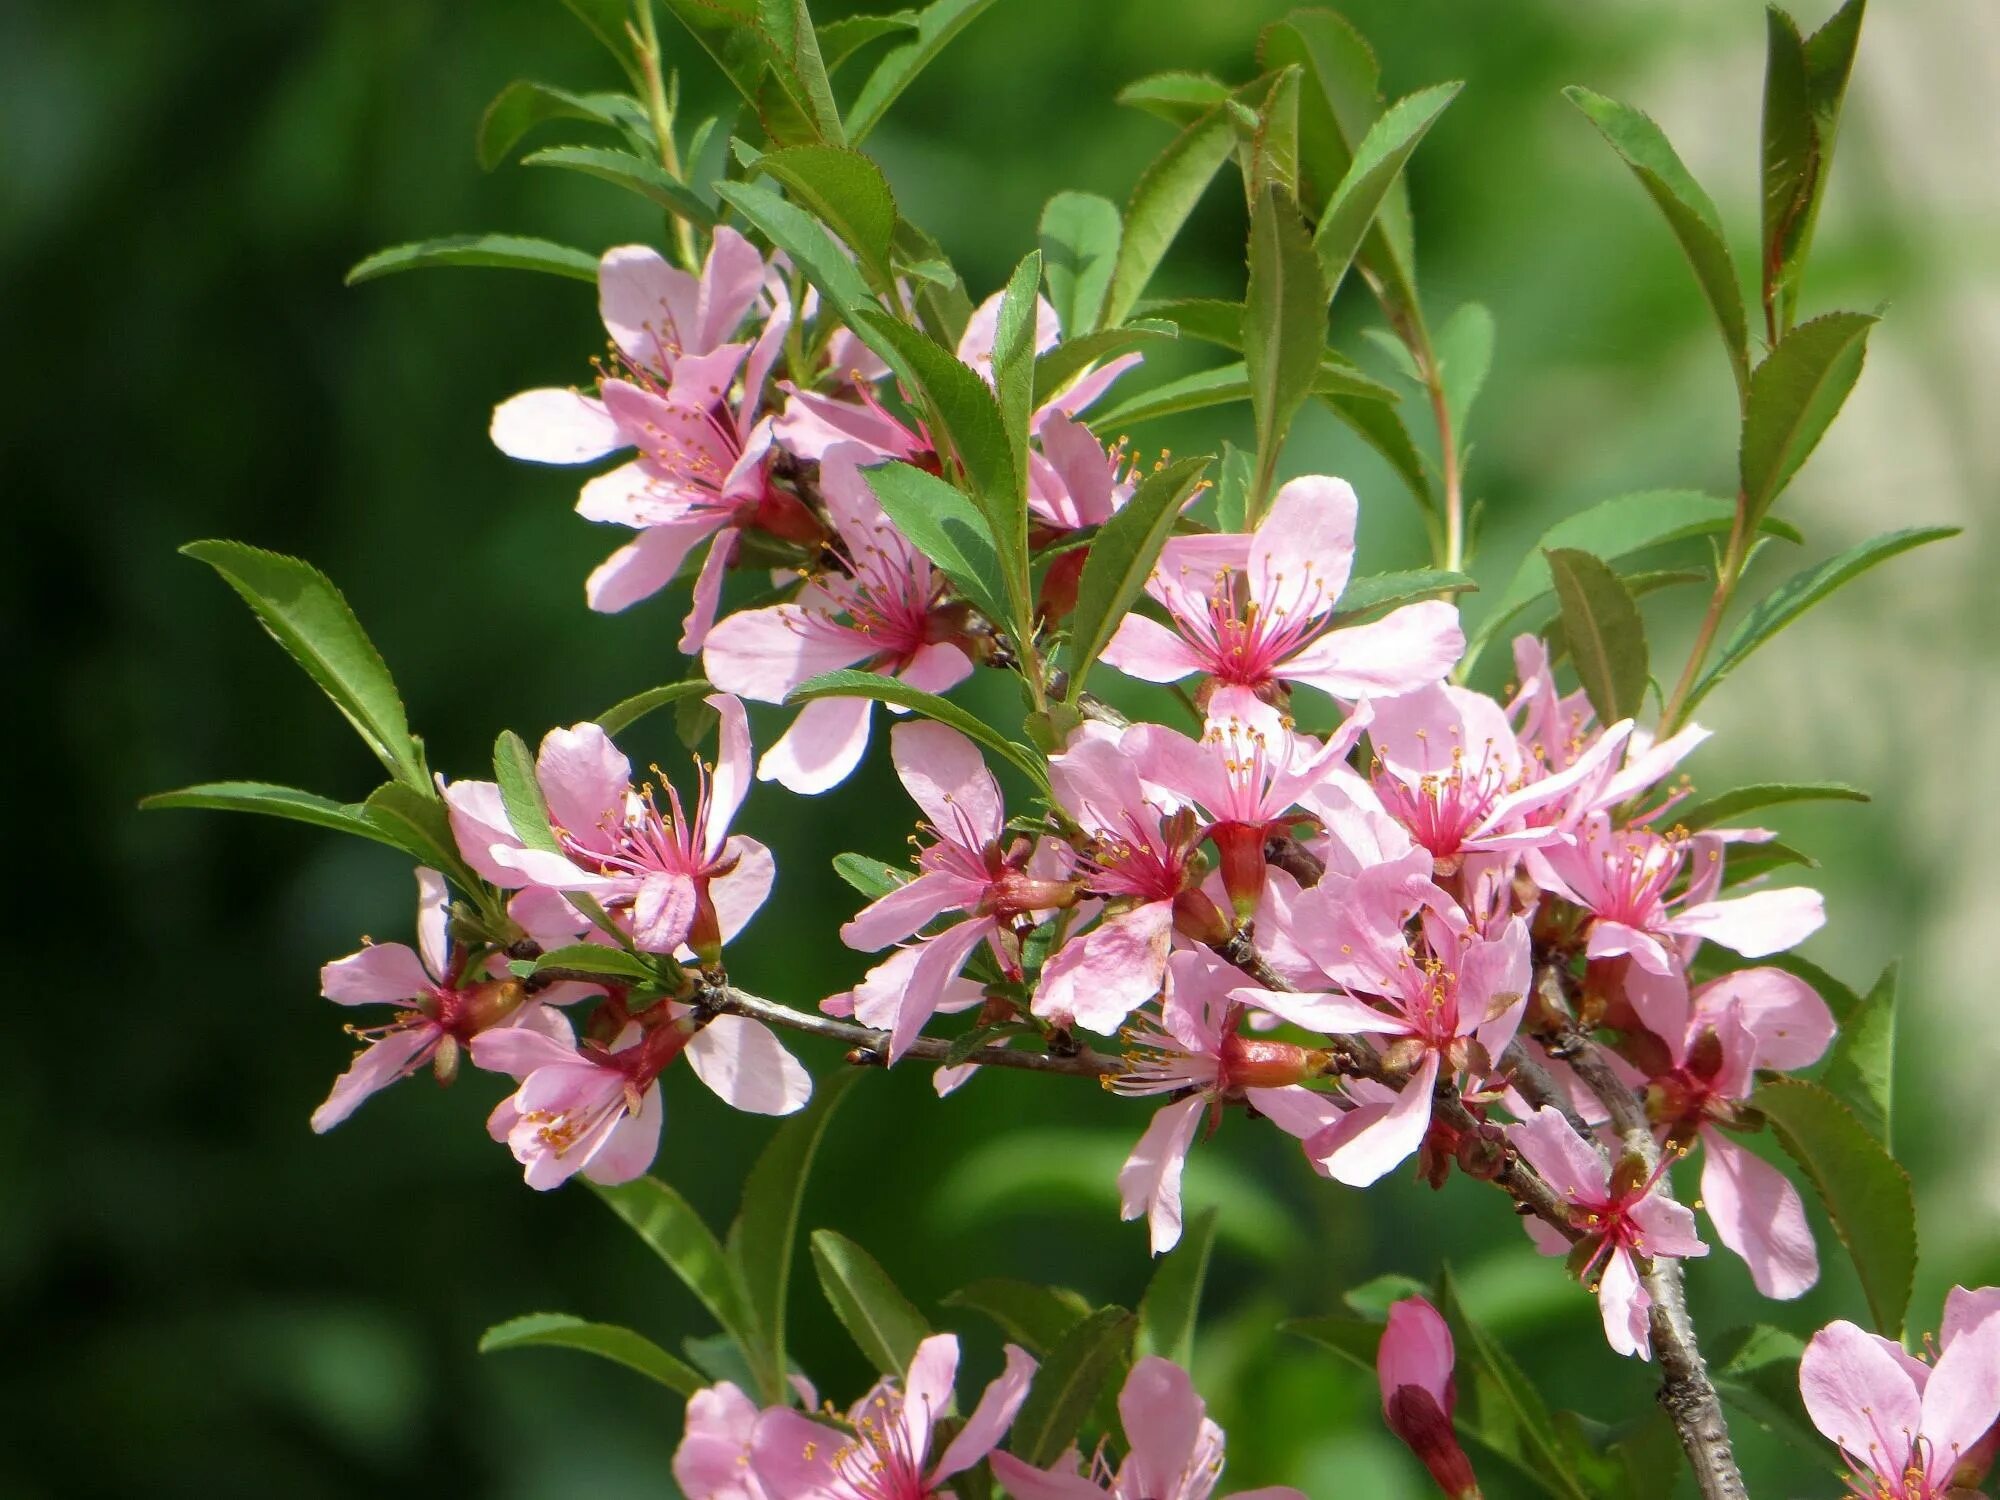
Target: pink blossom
[[682, 879], [1626, 880], [1622, 1214], [1911, 1430], [701, 469], [1195, 1050], [1175, 1450], [713, 1459], [1414, 1366], [970, 867], [440, 1008], [1255, 613], [884, 1450], [880, 605]]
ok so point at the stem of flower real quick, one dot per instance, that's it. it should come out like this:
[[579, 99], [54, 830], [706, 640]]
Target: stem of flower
[[646, 42], [1727, 576]]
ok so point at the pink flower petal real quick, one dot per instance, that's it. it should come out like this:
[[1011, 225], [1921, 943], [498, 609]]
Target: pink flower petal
[[1367, 1143], [990, 1419], [648, 306], [554, 427], [946, 777], [1962, 1400], [584, 778], [478, 822], [1097, 980], [629, 1147], [1562, 1156], [642, 567], [1163, 1419], [1303, 551], [380, 974], [739, 895], [1150, 1181], [822, 748], [1624, 1303], [762, 654], [1758, 1214], [745, 1066], [1402, 651], [1860, 1398], [1147, 650], [1788, 1020], [1415, 1350], [663, 911], [891, 918], [378, 1066], [1760, 923], [1026, 1483]]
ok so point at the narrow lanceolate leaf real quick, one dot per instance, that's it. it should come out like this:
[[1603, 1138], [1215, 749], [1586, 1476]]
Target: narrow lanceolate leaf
[[1744, 799], [1689, 211], [1014, 369], [1037, 1318], [522, 105], [846, 190], [1464, 355], [1796, 393], [885, 1327], [1357, 1340], [1376, 165], [937, 24], [1284, 322], [1607, 638], [1164, 196], [1226, 383], [633, 173], [871, 877], [1378, 591], [507, 252], [760, 1239], [943, 524], [1805, 81], [414, 820], [848, 683], [814, 251], [964, 405], [787, 28], [626, 712], [1079, 240], [675, 1232], [311, 619], [1756, 1372], [1380, 425], [1126, 548], [1067, 1385], [594, 958], [842, 39], [1234, 477], [1177, 97], [1861, 1071], [605, 1340], [521, 793], [1068, 359], [1803, 590], [1865, 1191], [1168, 1310], [1270, 158], [275, 802]]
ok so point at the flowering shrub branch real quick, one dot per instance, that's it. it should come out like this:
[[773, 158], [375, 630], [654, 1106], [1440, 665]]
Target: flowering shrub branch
[[1281, 864]]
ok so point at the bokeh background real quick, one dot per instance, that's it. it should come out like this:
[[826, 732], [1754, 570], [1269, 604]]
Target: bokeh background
[[203, 1298]]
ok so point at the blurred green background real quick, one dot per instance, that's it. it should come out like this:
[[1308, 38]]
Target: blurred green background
[[203, 1298]]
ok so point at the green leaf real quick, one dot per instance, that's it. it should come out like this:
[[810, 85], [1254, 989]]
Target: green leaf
[[522, 105], [304, 613], [1805, 81], [1079, 239], [849, 193], [1728, 805], [1606, 636], [1794, 397], [936, 26], [940, 522], [849, 683], [1126, 548], [606, 1340], [675, 1232], [1374, 1297], [813, 250], [521, 793], [1235, 475], [1499, 1406], [1464, 355], [840, 40], [1172, 1302], [1071, 357], [1357, 1340], [606, 20], [1865, 1191], [885, 1327], [871, 877], [1270, 158], [1861, 1072], [1756, 1372], [1380, 425], [1388, 590], [1067, 1385], [747, 37], [507, 252], [1689, 211], [415, 821], [1223, 384], [276, 802], [1177, 97], [596, 958], [1284, 323], [1014, 382], [760, 1240], [1754, 861], [633, 173], [626, 712], [1802, 591], [1161, 201], [1374, 169], [1036, 1317]]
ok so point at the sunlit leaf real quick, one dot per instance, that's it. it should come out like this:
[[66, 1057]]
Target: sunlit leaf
[[605, 1340], [508, 252]]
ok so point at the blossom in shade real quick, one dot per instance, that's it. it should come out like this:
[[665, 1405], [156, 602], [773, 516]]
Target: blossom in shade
[[440, 1008], [1175, 1452], [1414, 1365], [1736, 1025], [1622, 1216], [1255, 613], [879, 605], [713, 1459], [679, 876], [1196, 1057], [970, 867], [1653, 896], [1911, 1430], [883, 1451]]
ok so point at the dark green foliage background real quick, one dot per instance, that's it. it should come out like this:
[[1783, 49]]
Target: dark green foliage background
[[202, 1298]]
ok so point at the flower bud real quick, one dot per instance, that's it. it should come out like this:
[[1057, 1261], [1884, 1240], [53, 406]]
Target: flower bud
[[1254, 1063], [1414, 1366], [1196, 919]]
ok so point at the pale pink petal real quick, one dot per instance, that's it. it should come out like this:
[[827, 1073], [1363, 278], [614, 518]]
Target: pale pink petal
[[707, 598], [629, 1147], [1023, 1482], [822, 748], [520, 1050], [540, 867], [584, 778], [1965, 1310], [1962, 1400], [1081, 466], [1661, 1001], [729, 781], [1082, 393], [927, 1390], [1298, 1111], [1147, 650], [1666, 1227], [1333, 1014], [1759, 923], [709, 1464], [1647, 766], [478, 822], [648, 306], [1150, 1181], [938, 962], [1758, 1214], [1163, 1419], [1415, 1350], [379, 1065], [737, 896], [763, 654], [878, 998], [936, 667], [1623, 1303], [433, 921], [747, 1067], [1097, 980], [642, 567], [1860, 1397], [1368, 1143], [1791, 1024], [946, 777], [730, 278], [380, 974], [794, 1456], [1611, 939], [1562, 1156], [891, 918], [991, 1418], [1303, 550], [554, 427], [975, 345], [663, 911], [1488, 974], [812, 424], [1402, 651]]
